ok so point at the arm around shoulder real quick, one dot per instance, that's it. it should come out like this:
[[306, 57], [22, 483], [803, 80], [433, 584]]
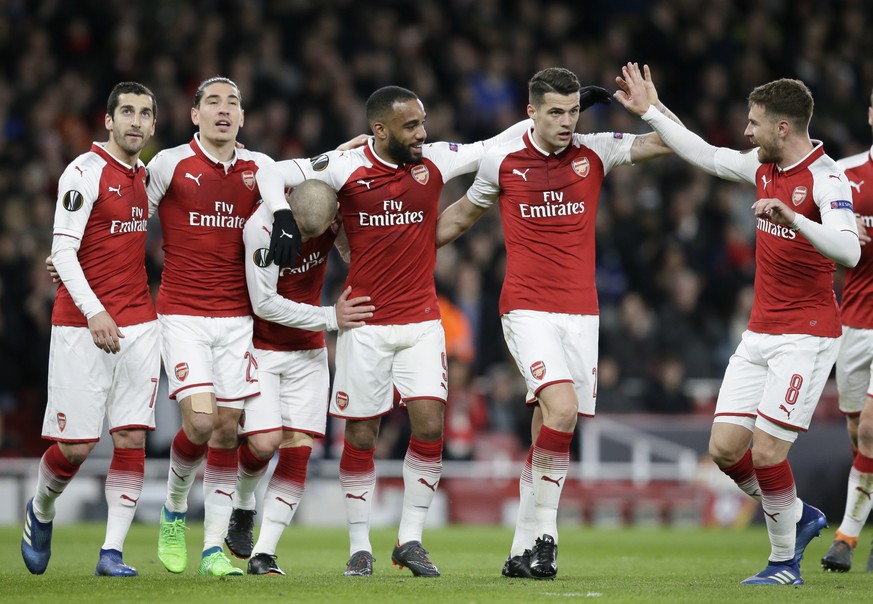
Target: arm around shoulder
[[456, 219]]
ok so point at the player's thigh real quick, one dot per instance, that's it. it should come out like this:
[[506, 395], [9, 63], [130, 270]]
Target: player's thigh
[[743, 384], [262, 412], [362, 385], [79, 383], [420, 368], [537, 342], [135, 386], [235, 365], [798, 368], [580, 334], [186, 350], [854, 368]]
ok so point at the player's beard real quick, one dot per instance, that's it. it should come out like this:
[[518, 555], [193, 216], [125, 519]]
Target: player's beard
[[768, 155], [400, 152], [130, 147]]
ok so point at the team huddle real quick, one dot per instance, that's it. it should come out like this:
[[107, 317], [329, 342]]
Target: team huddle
[[239, 328]]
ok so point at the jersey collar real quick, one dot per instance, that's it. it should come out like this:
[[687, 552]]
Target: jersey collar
[[100, 149], [227, 165], [817, 151], [532, 143]]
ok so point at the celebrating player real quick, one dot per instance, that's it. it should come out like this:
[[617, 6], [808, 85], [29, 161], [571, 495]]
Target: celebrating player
[[548, 184], [774, 379], [104, 323], [203, 192], [389, 193], [292, 368]]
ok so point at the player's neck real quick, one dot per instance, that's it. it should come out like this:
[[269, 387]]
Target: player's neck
[[795, 150], [221, 150]]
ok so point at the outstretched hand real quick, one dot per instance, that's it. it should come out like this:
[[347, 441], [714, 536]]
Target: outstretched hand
[[637, 89], [352, 312], [285, 240], [589, 95]]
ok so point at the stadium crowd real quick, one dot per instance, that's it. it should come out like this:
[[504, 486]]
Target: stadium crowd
[[675, 246]]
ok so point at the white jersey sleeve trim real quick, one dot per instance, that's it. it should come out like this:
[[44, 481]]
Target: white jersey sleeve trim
[[612, 149], [836, 237], [66, 260], [161, 169]]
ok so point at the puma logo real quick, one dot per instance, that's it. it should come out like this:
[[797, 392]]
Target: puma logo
[[225, 493], [115, 190], [290, 505], [432, 487], [131, 499], [82, 172], [361, 496], [765, 181], [867, 493], [179, 476], [520, 173], [366, 183], [856, 185], [550, 479], [757, 493], [772, 516], [286, 234], [786, 410], [53, 491], [194, 178]]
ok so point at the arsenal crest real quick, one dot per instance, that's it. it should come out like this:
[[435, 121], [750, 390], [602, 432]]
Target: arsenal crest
[[421, 174], [181, 371], [798, 195], [62, 421], [581, 166], [342, 400], [249, 179], [538, 370]]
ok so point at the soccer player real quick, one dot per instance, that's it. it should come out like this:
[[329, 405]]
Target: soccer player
[[774, 379], [854, 364], [292, 369], [389, 194], [203, 192], [104, 356], [548, 184]]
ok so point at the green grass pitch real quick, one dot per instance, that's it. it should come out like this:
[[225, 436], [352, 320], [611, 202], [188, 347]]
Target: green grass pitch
[[595, 565]]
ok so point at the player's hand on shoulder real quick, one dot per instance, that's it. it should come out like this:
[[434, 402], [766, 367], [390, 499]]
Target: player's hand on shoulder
[[285, 240], [105, 333], [352, 312], [773, 210], [358, 141]]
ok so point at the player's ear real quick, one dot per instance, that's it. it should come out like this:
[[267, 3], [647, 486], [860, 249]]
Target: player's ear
[[531, 111], [107, 120], [242, 117], [195, 116], [379, 130]]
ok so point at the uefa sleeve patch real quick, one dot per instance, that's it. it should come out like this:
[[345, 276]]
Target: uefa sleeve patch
[[453, 147], [841, 204], [618, 135], [73, 201], [320, 163], [262, 257]]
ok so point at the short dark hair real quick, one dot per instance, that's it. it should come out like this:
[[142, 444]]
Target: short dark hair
[[129, 88], [552, 79], [784, 99], [198, 96], [382, 101]]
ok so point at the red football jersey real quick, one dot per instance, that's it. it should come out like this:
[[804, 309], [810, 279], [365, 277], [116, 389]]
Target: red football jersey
[[389, 213], [794, 281], [548, 204], [857, 304], [103, 203], [203, 205], [301, 284]]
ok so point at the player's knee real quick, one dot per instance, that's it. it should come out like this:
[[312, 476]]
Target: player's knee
[[865, 438], [723, 455], [76, 453], [263, 446], [129, 439]]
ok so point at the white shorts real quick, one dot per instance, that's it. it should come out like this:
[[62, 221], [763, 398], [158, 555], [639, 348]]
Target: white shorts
[[295, 387], [854, 369], [85, 383], [550, 348], [209, 354], [774, 382], [374, 359]]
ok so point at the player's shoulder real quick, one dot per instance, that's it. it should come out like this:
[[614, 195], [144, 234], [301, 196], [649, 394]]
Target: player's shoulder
[[86, 168], [171, 156], [855, 161], [256, 157]]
